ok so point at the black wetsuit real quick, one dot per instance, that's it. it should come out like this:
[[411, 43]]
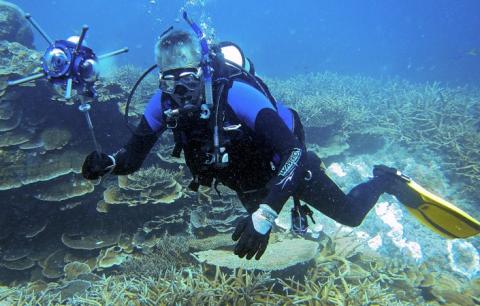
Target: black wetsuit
[[268, 161]]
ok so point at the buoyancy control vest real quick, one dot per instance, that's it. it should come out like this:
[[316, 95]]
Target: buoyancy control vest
[[192, 134]]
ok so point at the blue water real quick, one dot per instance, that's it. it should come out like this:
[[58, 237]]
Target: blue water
[[428, 40]]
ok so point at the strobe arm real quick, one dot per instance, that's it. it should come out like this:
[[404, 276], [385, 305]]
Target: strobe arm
[[113, 53], [27, 79], [37, 27]]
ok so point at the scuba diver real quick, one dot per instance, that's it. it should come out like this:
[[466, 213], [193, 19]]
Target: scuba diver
[[235, 133]]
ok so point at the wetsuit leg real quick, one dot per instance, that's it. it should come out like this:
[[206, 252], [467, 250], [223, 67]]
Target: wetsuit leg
[[322, 193]]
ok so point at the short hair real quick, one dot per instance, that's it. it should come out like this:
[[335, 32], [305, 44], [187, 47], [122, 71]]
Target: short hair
[[177, 49]]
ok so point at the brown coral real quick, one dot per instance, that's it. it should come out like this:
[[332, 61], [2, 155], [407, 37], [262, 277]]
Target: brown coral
[[41, 168], [92, 239], [13, 26], [74, 269], [110, 257], [55, 138], [147, 186], [53, 265], [294, 252], [63, 188]]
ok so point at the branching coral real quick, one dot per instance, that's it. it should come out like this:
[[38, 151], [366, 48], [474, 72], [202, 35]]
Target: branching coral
[[421, 116], [117, 85], [441, 120], [168, 253], [325, 99], [335, 279]]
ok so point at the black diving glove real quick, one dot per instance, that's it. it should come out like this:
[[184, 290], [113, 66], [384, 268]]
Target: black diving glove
[[97, 164], [254, 232]]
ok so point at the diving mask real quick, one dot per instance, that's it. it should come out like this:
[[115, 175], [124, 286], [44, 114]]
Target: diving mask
[[182, 84]]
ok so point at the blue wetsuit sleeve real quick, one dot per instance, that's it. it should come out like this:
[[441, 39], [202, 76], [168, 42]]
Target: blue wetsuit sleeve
[[274, 128], [153, 112], [130, 158]]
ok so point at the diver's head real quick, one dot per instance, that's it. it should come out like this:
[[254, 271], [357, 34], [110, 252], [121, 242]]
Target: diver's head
[[177, 49], [178, 57]]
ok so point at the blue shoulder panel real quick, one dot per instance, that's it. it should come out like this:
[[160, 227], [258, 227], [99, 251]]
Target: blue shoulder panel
[[154, 113], [286, 114], [246, 101]]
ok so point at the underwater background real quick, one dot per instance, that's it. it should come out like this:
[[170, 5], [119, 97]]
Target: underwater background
[[392, 82], [425, 40]]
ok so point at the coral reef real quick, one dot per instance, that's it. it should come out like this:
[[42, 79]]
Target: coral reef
[[334, 147], [17, 60], [49, 226], [214, 213], [211, 243], [64, 188], [116, 85], [55, 138], [295, 254], [463, 257], [74, 269], [168, 253], [326, 99], [340, 275], [420, 116], [82, 236], [125, 76], [147, 186], [13, 26], [27, 170], [110, 257], [56, 248]]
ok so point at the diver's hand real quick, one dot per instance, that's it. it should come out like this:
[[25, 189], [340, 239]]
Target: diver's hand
[[254, 232], [97, 164]]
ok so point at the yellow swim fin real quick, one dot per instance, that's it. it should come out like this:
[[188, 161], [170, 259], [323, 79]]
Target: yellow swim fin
[[431, 210]]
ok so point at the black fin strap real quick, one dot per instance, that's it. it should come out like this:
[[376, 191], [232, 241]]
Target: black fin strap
[[194, 184], [178, 139], [177, 150], [215, 186], [296, 202], [303, 209]]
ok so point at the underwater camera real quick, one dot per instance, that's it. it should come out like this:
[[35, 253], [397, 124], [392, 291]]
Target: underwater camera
[[68, 64]]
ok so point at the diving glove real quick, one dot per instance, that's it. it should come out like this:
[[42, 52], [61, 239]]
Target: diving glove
[[97, 164], [253, 232]]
